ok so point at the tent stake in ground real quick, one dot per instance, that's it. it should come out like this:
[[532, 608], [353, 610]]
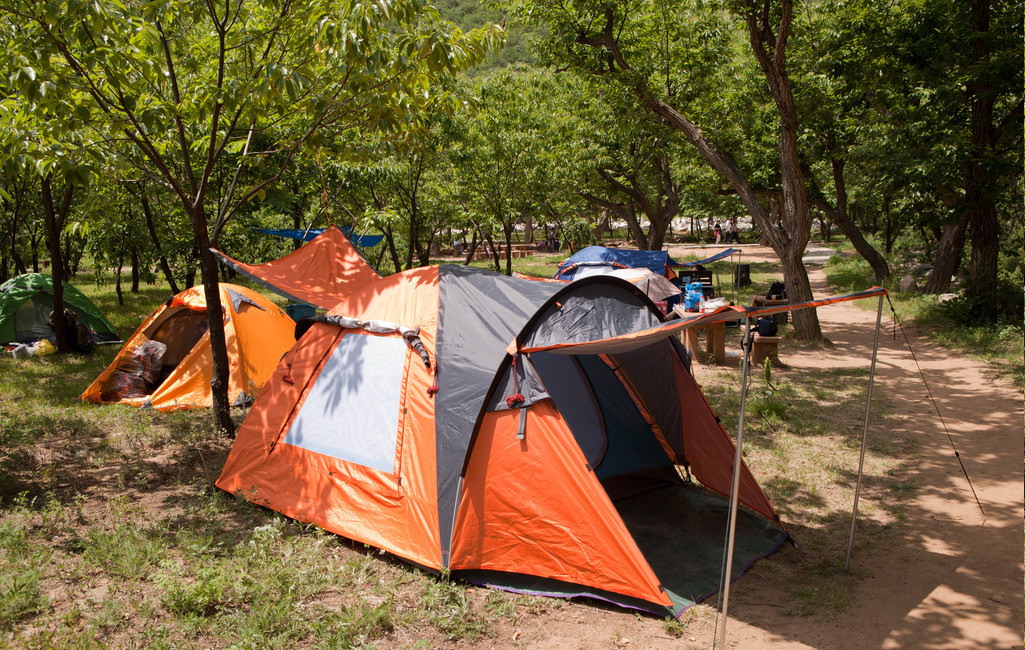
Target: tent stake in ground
[[864, 434]]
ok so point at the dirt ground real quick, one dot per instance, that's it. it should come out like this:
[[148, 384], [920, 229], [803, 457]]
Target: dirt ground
[[953, 577]]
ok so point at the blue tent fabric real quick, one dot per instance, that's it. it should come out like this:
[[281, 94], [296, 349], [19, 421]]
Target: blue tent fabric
[[656, 261], [363, 241]]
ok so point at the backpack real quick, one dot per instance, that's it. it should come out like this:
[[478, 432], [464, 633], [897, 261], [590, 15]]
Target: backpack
[[766, 326]]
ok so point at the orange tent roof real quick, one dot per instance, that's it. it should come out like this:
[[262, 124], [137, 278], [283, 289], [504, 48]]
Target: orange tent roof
[[167, 363], [323, 272]]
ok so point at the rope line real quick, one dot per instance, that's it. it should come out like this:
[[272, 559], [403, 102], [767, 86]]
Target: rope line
[[936, 406]]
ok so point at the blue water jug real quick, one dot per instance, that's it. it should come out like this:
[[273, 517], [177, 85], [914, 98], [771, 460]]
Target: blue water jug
[[692, 299]]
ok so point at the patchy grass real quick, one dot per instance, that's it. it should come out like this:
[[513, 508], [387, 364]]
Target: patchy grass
[[111, 533], [802, 438]]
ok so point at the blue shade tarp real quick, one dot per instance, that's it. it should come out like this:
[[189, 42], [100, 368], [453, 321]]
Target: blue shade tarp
[[363, 241], [599, 259], [708, 260]]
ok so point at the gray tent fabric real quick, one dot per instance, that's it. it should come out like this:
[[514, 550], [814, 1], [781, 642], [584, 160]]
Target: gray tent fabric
[[527, 384], [237, 299], [593, 311], [480, 313], [573, 396], [647, 370]]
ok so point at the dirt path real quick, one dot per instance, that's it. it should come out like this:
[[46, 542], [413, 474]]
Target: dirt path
[[954, 579], [950, 579]]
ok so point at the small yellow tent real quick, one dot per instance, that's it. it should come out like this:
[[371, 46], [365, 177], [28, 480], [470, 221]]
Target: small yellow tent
[[167, 363]]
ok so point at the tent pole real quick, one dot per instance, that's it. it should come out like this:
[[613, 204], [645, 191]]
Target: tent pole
[[864, 435], [738, 461]]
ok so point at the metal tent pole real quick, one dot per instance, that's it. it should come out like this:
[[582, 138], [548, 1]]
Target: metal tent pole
[[864, 435], [738, 460]]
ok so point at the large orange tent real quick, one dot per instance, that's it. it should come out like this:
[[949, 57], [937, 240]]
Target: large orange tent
[[436, 415], [167, 363], [321, 273]]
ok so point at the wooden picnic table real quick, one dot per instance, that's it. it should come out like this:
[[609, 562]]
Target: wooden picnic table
[[715, 341], [518, 251], [761, 301]]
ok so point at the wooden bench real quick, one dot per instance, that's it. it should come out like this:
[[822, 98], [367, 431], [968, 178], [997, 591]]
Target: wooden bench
[[765, 347]]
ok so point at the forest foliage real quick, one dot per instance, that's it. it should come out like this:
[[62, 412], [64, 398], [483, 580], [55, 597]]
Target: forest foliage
[[135, 136]]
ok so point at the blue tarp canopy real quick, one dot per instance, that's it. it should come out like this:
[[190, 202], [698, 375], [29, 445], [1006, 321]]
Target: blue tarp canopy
[[714, 258], [599, 259], [363, 241], [584, 261]]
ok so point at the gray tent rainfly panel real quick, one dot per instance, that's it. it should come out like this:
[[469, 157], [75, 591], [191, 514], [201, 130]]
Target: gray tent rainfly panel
[[647, 370], [593, 310], [574, 397], [527, 383], [480, 312]]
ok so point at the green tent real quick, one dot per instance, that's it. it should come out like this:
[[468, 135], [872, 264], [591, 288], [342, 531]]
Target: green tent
[[25, 305]]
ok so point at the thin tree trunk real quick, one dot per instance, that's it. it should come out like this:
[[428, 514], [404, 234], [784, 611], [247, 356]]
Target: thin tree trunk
[[164, 266], [117, 277], [135, 269], [380, 257], [496, 260], [215, 320], [471, 249], [508, 248], [983, 225], [948, 257], [389, 238], [53, 230]]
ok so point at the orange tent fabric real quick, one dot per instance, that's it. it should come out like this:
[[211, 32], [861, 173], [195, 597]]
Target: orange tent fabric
[[538, 488], [401, 421], [167, 363], [323, 272]]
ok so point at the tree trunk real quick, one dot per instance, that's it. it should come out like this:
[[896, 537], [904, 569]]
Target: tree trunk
[[53, 231], [507, 229], [983, 225], [117, 277], [496, 260], [880, 268], [215, 320], [471, 249], [789, 242], [164, 266], [629, 214], [380, 257], [795, 279], [389, 237], [948, 256], [135, 269]]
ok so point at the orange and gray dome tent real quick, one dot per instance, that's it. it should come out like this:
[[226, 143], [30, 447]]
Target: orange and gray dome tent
[[167, 363], [320, 273], [435, 415]]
